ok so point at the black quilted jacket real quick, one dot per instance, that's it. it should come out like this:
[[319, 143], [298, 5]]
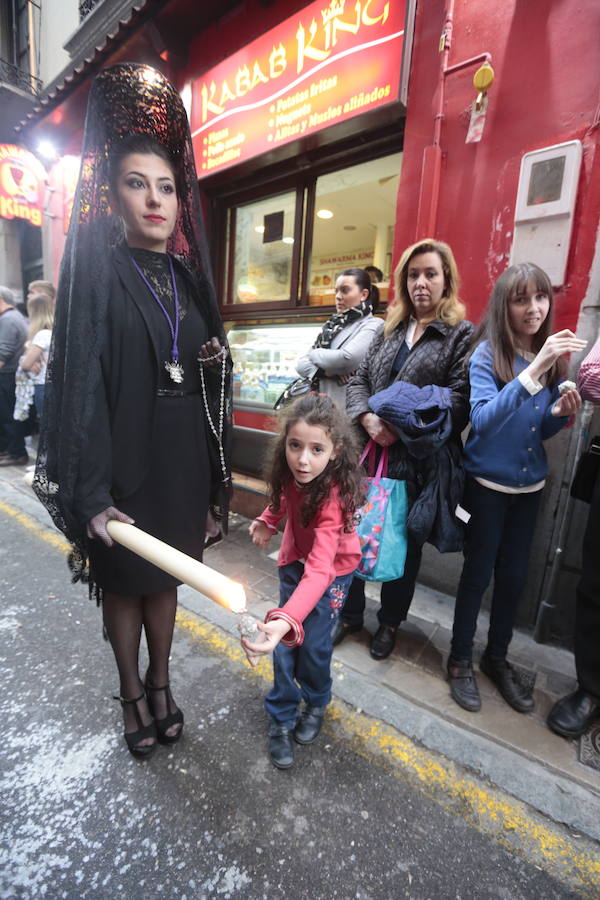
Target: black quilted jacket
[[437, 358]]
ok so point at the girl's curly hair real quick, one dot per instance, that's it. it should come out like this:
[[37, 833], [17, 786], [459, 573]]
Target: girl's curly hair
[[342, 472]]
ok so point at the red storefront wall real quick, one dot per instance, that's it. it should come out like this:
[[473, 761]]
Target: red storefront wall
[[547, 66]]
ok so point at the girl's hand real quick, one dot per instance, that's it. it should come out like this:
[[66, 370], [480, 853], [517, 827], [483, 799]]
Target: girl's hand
[[96, 527], [344, 379], [273, 632], [212, 348], [378, 430], [556, 345], [567, 405], [260, 534]]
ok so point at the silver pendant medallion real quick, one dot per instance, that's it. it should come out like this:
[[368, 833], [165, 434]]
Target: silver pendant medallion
[[175, 371]]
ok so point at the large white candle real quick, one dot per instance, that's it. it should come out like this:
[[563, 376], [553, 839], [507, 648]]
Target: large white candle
[[213, 584]]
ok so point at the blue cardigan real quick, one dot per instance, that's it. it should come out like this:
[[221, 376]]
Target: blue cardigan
[[508, 425]]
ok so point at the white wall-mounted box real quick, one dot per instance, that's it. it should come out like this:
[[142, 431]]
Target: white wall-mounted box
[[545, 207]]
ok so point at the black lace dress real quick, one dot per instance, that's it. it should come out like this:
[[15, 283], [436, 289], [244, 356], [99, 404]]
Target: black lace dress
[[172, 501]]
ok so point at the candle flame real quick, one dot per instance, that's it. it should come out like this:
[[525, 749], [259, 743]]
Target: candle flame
[[235, 600]]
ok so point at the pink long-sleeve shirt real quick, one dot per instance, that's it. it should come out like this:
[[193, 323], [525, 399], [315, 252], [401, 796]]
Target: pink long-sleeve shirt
[[327, 551]]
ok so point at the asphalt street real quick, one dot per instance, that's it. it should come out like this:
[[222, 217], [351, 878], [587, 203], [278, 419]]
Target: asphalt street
[[211, 817]]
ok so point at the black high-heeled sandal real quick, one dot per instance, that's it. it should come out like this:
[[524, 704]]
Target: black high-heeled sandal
[[133, 738], [174, 718]]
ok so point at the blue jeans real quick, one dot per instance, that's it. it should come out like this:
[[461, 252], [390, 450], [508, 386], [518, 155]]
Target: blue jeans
[[498, 541], [304, 673], [38, 399]]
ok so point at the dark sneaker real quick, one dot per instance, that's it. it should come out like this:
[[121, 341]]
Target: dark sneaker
[[463, 685], [507, 681]]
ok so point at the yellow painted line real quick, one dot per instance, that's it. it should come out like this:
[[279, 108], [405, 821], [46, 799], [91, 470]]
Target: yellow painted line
[[489, 810], [44, 534]]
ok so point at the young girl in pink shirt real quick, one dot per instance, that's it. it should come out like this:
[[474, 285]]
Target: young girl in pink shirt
[[315, 481]]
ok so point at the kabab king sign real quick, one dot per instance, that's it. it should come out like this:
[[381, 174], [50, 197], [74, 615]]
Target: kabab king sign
[[320, 67], [22, 185]]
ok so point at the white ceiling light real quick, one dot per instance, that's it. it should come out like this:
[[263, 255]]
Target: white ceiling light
[[324, 214], [288, 240], [260, 229], [47, 149]]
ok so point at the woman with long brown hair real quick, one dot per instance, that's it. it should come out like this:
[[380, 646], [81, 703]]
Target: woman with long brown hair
[[515, 370]]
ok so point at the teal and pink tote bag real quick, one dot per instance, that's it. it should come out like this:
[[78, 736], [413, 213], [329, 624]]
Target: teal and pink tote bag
[[382, 526]]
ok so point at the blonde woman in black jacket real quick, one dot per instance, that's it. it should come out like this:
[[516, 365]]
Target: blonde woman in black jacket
[[425, 341]]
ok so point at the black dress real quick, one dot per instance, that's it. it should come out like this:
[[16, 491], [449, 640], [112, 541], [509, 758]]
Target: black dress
[[172, 501]]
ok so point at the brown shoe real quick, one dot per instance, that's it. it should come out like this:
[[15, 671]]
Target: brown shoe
[[14, 461]]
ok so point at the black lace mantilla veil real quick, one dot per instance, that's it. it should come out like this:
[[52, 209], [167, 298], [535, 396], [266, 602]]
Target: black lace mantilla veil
[[124, 99]]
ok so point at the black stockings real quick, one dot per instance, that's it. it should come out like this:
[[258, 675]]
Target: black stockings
[[123, 620]]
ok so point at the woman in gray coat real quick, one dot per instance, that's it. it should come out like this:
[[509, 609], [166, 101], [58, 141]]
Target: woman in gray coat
[[345, 337]]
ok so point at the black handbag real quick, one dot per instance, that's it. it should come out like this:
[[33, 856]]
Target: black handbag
[[297, 388], [588, 470]]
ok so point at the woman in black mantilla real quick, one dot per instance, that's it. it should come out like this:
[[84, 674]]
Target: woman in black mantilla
[[132, 431]]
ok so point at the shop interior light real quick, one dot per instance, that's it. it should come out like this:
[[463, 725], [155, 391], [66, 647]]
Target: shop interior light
[[288, 240], [47, 149], [260, 229], [324, 214]]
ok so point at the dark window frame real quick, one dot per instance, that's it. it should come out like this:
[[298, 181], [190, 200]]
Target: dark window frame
[[300, 173]]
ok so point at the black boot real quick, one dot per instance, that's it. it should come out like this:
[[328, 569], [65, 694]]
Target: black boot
[[281, 748], [383, 641], [507, 681], [572, 715], [463, 686], [341, 629], [309, 724]]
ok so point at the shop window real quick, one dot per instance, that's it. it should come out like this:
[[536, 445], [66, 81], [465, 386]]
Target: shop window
[[286, 248], [355, 210], [263, 249]]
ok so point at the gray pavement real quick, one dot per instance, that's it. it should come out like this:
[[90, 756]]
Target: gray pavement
[[408, 690], [364, 813]]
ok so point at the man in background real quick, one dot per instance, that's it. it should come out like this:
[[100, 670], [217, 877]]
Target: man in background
[[13, 334], [573, 714]]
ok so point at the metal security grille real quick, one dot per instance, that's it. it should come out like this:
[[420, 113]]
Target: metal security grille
[[16, 77], [85, 7]]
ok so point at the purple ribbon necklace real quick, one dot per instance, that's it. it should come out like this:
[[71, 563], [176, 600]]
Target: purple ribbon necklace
[[174, 368]]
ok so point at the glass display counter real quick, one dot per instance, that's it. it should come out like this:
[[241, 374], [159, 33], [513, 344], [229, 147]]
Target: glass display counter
[[264, 359]]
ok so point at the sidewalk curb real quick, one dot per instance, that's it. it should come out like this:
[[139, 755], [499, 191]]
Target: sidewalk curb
[[545, 790]]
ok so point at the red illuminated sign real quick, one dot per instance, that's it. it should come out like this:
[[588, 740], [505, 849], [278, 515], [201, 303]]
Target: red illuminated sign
[[22, 184], [320, 67]]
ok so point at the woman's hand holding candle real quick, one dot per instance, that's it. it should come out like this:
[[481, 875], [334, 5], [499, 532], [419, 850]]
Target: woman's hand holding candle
[[96, 527], [272, 633], [202, 578]]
